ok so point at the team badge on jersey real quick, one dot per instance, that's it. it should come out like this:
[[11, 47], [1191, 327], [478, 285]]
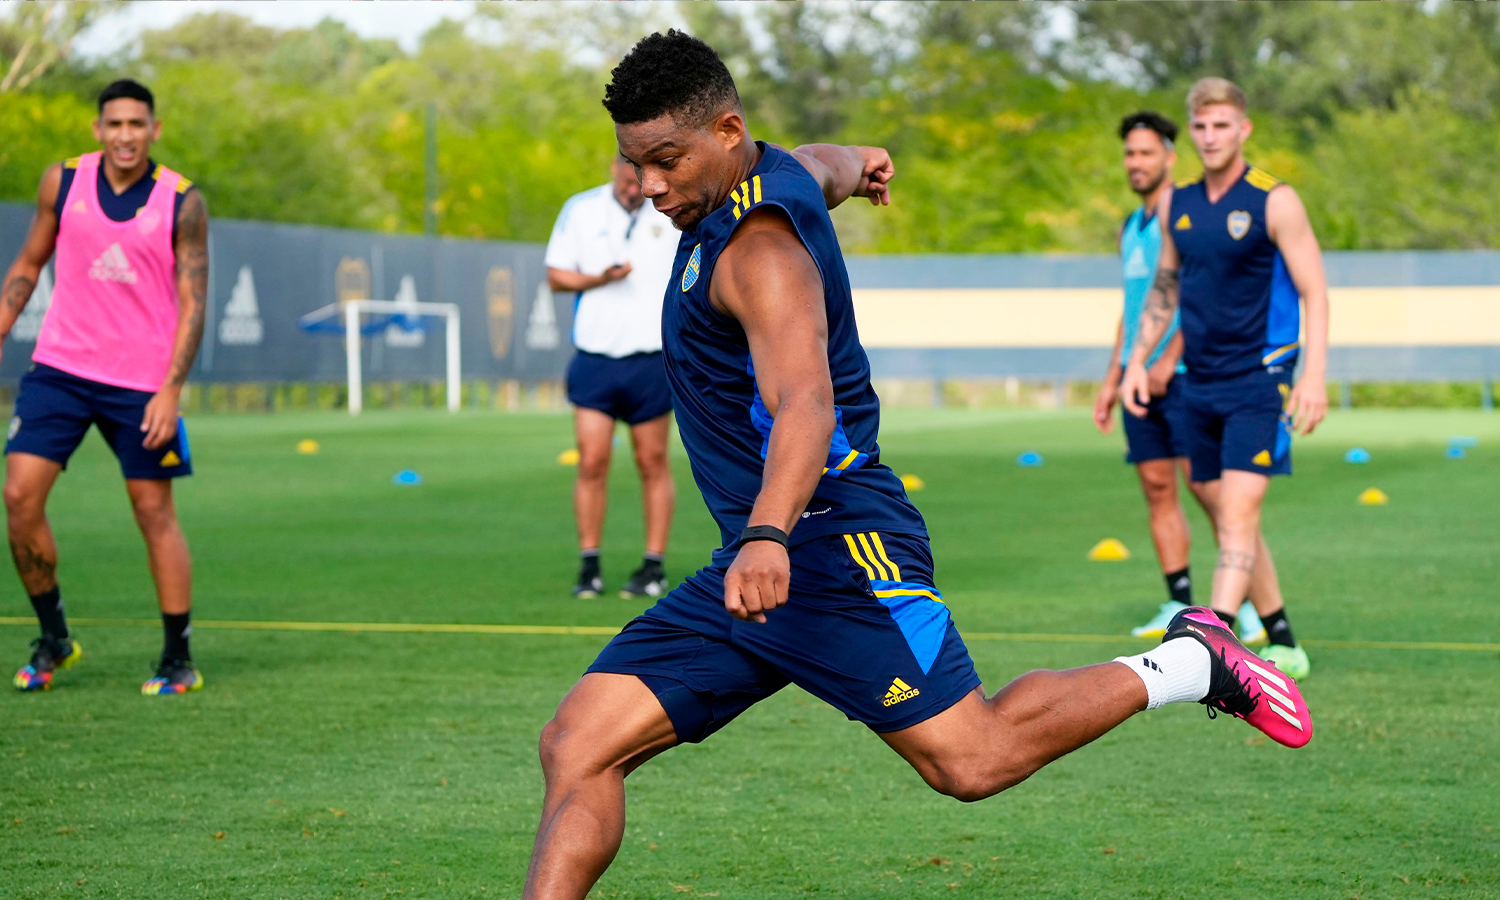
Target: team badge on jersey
[[1239, 224], [690, 274]]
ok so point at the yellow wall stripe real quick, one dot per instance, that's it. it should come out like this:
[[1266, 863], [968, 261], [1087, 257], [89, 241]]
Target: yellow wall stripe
[[864, 542], [880, 549], [854, 552]]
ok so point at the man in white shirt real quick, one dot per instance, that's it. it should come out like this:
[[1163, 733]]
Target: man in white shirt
[[616, 252]]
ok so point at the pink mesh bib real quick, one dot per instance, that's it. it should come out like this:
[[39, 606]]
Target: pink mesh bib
[[113, 316]]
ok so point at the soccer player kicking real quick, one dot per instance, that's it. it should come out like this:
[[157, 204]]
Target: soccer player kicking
[[115, 347], [825, 577], [1156, 443], [1237, 252]]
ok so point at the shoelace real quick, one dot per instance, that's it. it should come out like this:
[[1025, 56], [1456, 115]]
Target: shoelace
[[1242, 710]]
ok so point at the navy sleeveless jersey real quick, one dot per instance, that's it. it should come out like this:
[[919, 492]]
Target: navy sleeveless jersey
[[724, 424], [1239, 305]]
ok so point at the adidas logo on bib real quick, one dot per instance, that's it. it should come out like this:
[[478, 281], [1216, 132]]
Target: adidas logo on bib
[[112, 266]]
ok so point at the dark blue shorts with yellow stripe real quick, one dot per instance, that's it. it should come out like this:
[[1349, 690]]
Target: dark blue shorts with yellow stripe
[[864, 629]]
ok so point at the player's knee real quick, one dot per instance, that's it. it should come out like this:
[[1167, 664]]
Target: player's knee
[[651, 463], [593, 465], [22, 502], [972, 781], [565, 752], [154, 514], [1159, 490]]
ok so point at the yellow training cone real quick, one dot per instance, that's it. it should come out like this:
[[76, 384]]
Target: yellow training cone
[[568, 458], [912, 482], [307, 447], [1109, 549], [1373, 497]]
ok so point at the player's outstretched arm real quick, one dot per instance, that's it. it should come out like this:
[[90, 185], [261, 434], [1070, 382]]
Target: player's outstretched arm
[[1288, 227], [766, 280], [1156, 317], [845, 172], [40, 241], [190, 246]]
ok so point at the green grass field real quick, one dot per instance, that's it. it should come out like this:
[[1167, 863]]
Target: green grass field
[[364, 764]]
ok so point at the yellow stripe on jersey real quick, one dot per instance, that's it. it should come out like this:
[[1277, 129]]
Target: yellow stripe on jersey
[[1189, 181], [1261, 179], [72, 163], [909, 592], [1278, 353], [854, 552], [182, 185], [880, 549], [853, 455], [756, 181], [864, 543]]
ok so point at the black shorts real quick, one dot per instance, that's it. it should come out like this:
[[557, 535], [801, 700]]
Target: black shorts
[[1163, 432], [1241, 423], [632, 389], [863, 629], [55, 409]]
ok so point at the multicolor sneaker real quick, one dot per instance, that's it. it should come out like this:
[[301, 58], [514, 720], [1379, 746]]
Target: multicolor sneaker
[[1291, 660], [647, 581], [1158, 626], [47, 656], [1248, 624], [173, 676], [1242, 684]]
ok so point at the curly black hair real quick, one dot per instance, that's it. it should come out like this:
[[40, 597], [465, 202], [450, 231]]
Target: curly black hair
[[672, 73], [1148, 118]]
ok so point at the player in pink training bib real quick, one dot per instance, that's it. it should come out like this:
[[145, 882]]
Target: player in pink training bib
[[131, 288]]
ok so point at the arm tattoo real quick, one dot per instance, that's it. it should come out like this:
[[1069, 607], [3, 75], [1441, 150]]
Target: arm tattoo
[[16, 292], [191, 246], [1235, 559], [1161, 305]]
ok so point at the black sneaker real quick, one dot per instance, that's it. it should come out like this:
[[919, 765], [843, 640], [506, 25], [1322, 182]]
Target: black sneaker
[[173, 676], [590, 584], [47, 656], [647, 581]]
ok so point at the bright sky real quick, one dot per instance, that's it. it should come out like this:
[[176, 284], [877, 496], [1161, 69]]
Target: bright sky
[[404, 21]]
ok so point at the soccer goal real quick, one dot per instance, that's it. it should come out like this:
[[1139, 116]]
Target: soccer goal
[[349, 318]]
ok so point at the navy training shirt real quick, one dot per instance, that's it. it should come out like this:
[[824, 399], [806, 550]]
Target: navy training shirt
[[724, 424], [1239, 304]]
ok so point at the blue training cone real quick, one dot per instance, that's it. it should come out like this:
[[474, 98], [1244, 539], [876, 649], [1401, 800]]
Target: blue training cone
[[1357, 455], [406, 476], [1030, 459], [1456, 451]]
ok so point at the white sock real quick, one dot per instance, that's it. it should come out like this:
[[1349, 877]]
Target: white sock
[[1175, 672]]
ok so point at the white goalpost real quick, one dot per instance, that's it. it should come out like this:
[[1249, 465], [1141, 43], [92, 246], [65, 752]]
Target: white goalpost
[[352, 311]]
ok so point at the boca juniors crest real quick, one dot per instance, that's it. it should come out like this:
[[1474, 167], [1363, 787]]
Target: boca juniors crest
[[1239, 224], [694, 263]]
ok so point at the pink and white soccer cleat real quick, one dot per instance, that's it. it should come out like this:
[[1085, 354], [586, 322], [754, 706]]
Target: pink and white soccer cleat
[[1242, 684]]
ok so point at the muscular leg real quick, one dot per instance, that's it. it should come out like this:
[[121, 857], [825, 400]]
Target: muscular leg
[[1265, 585], [28, 481], [979, 747], [658, 493], [166, 546], [594, 432], [1237, 501], [1169, 528], [605, 728]]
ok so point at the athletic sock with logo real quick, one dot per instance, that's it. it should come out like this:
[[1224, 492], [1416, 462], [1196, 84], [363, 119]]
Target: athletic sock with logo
[[1278, 629], [1180, 585], [49, 612], [1176, 672], [176, 627]]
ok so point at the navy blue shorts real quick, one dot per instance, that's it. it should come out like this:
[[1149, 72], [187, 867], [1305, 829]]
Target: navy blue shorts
[[54, 411], [864, 629], [1241, 423], [1163, 432], [632, 389]]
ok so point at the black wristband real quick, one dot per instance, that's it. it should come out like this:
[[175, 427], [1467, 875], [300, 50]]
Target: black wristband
[[763, 533]]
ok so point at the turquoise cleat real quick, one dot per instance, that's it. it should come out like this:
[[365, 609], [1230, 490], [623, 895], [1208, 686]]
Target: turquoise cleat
[[1291, 660], [1158, 626], [1248, 624]]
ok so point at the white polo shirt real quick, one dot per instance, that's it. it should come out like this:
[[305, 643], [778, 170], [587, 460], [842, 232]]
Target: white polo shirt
[[594, 232]]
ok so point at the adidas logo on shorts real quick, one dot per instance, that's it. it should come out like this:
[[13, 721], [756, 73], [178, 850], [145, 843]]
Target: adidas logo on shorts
[[899, 691], [112, 266]]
